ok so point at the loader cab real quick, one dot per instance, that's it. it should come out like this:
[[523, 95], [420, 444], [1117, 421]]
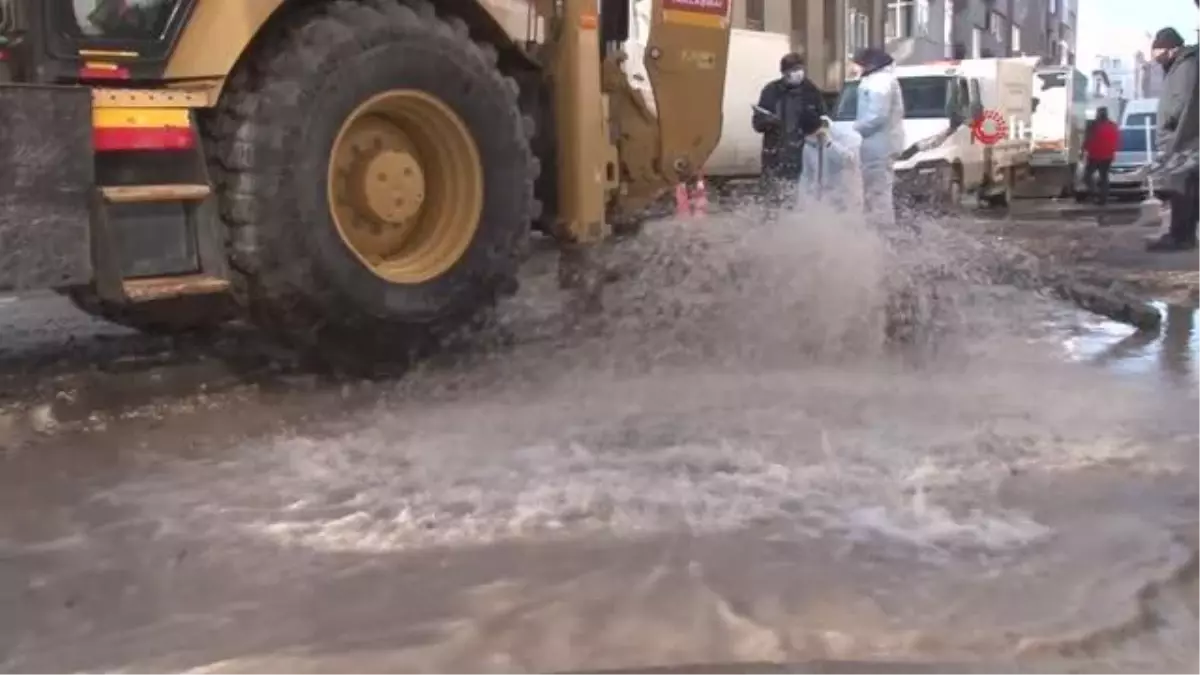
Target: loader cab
[[57, 41]]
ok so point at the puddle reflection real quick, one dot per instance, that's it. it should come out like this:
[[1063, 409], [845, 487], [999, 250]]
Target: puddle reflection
[[1172, 351]]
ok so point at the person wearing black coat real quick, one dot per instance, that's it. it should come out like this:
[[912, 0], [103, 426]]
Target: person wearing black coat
[[788, 109]]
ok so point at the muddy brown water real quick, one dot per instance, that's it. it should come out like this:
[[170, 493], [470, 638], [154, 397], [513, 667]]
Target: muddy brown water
[[726, 473]]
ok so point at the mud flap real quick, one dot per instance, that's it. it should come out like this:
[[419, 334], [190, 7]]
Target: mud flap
[[46, 186]]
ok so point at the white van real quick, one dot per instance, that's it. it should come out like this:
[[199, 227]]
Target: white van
[[961, 163]]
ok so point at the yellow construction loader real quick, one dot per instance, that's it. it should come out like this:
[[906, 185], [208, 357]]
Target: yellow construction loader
[[355, 176]]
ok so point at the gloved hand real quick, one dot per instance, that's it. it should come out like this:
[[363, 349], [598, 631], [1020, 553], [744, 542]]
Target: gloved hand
[[823, 130]]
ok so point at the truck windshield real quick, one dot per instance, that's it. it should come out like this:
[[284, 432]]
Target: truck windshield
[[1141, 119], [924, 98], [1133, 139], [122, 19]]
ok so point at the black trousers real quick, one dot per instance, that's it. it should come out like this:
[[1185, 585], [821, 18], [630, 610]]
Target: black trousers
[[779, 188], [1102, 167], [1185, 209]]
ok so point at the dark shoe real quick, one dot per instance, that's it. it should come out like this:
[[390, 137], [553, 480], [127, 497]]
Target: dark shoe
[[1168, 244]]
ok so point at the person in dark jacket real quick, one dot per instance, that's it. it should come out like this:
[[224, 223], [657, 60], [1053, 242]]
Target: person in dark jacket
[[1182, 68], [1101, 147], [788, 109]]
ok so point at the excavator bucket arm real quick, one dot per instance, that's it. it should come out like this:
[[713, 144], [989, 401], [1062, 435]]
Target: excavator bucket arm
[[615, 155], [685, 59]]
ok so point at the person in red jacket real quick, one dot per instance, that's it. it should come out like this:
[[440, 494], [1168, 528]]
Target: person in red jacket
[[1101, 146]]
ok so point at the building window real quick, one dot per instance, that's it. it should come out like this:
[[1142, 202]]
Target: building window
[[858, 31], [800, 20], [948, 28], [1016, 39], [755, 14], [899, 20], [976, 42], [1053, 7], [922, 27], [906, 18], [997, 25]]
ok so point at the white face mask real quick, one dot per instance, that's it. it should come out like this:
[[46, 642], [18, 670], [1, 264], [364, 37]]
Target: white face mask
[[796, 76]]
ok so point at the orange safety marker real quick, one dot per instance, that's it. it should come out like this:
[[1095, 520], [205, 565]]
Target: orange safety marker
[[683, 203], [700, 197], [691, 198]]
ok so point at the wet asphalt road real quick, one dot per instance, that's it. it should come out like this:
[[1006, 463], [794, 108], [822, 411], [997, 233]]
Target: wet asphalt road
[[177, 506]]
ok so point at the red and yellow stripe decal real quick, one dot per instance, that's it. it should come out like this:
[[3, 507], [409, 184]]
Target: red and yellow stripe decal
[[699, 13], [142, 129]]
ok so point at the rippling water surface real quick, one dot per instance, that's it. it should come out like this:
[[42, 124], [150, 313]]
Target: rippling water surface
[[727, 467]]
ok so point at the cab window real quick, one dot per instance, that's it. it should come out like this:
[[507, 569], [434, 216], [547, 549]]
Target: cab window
[[120, 20], [1141, 120], [962, 98]]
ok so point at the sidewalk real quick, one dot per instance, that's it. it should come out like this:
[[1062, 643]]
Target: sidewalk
[[1105, 248]]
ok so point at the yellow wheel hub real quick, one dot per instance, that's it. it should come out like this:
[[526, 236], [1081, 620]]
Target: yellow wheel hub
[[405, 186]]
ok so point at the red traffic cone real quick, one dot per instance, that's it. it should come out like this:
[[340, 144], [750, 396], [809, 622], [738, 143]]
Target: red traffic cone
[[683, 202], [700, 197]]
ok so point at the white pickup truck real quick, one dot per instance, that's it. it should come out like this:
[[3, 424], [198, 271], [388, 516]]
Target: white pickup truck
[[951, 99]]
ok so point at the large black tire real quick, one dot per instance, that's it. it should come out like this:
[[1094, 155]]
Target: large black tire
[[271, 138], [948, 201], [537, 102], [186, 314], [1068, 188], [1002, 200]]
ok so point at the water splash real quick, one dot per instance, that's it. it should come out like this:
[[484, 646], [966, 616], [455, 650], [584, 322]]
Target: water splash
[[740, 377]]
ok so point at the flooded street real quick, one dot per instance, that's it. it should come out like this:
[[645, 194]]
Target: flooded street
[[727, 470]]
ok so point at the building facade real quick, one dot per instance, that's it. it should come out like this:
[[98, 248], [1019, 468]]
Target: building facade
[[922, 30], [1125, 62], [827, 32], [1150, 77]]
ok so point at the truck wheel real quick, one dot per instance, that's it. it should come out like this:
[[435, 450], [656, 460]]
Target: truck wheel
[[1002, 199], [376, 180], [951, 199], [186, 314], [1068, 188]]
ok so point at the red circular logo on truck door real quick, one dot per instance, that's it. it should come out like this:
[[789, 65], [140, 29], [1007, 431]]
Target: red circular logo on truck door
[[990, 128]]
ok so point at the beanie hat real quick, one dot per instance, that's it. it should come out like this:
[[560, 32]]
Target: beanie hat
[[1167, 38], [790, 62]]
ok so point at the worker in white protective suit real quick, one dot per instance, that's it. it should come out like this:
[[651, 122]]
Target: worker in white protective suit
[[880, 122], [832, 172]]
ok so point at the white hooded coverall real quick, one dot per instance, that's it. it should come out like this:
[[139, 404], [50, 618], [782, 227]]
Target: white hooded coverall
[[880, 122]]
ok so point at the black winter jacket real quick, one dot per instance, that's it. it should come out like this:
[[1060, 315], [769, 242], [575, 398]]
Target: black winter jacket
[[797, 112]]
